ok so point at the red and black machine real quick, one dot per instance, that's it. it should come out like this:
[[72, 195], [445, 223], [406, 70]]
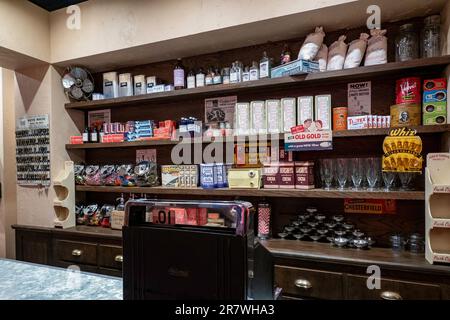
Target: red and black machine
[[175, 249]]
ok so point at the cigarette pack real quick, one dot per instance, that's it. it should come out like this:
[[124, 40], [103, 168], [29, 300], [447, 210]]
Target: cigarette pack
[[242, 118], [273, 116], [357, 122], [258, 117]]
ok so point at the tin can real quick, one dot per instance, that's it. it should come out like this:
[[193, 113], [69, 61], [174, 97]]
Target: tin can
[[408, 90], [405, 114], [340, 115]]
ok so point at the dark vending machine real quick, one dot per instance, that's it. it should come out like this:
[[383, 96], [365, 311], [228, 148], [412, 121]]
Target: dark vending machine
[[176, 249]]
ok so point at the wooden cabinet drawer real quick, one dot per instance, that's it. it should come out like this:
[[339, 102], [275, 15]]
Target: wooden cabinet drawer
[[309, 283], [76, 252], [445, 292], [391, 289], [110, 257]]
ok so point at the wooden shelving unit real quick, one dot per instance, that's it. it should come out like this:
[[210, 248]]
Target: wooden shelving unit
[[277, 193], [315, 78], [336, 134]]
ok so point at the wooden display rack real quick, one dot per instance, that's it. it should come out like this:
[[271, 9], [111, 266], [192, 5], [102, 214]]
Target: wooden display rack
[[437, 208], [64, 204]]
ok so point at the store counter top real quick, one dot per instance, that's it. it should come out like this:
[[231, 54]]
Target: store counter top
[[27, 281]]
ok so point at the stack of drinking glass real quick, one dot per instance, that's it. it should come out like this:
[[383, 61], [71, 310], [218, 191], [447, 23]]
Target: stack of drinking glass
[[361, 174]]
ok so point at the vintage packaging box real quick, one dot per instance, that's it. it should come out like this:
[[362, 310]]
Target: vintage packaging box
[[357, 122], [287, 175], [434, 96], [405, 114], [435, 84], [258, 117], [271, 176], [140, 85], [273, 116], [288, 109], [242, 118], [305, 109], [322, 108], [434, 113], [304, 175], [170, 175]]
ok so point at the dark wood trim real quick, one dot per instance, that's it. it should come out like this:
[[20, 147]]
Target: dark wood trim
[[284, 193], [323, 252], [85, 231], [321, 77]]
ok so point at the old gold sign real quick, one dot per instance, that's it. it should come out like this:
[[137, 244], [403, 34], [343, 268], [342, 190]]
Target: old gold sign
[[402, 151]]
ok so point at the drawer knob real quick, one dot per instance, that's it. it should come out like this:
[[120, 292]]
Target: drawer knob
[[77, 253], [390, 295], [303, 283], [119, 258]]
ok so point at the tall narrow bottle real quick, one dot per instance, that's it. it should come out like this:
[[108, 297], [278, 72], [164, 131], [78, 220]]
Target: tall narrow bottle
[[191, 79], [178, 75], [285, 55], [264, 66], [254, 71]]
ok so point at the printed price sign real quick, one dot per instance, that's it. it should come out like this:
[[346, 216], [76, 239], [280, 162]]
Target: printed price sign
[[402, 151], [309, 141]]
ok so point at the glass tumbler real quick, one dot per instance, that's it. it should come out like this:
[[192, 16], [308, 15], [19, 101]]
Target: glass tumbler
[[328, 170], [373, 171], [388, 179], [357, 172], [342, 167]]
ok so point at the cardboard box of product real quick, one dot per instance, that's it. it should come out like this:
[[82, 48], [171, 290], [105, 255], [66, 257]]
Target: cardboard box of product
[[170, 176], [434, 113], [322, 108]]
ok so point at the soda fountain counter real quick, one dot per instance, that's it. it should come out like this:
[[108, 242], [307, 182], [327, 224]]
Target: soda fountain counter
[[175, 249]]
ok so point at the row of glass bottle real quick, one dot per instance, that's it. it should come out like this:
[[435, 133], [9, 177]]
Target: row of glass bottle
[[237, 73]]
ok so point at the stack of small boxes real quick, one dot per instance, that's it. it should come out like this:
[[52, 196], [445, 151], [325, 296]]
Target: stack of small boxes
[[179, 176], [434, 101]]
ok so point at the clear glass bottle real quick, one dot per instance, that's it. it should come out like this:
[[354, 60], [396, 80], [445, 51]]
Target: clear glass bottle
[[264, 66], [191, 79], [226, 75], [431, 37], [240, 69], [234, 73], [406, 43], [246, 74], [200, 78], [209, 77], [178, 75], [254, 71], [285, 55], [217, 79]]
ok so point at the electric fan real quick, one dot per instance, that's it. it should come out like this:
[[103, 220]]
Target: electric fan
[[78, 83]]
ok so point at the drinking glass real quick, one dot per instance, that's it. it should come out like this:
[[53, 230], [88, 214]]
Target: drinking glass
[[342, 172], [405, 179], [388, 179], [328, 170], [357, 172], [373, 171]]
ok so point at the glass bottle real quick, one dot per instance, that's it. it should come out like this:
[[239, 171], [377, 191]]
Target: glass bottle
[[431, 37], [200, 78], [233, 73], [209, 77], [191, 79], [254, 71], [86, 135], [101, 135], [121, 205], [94, 135], [240, 70], [285, 55], [406, 44], [264, 66], [217, 79], [178, 75], [226, 75], [246, 75]]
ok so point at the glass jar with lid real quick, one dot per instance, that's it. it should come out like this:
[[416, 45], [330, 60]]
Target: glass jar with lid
[[416, 243], [406, 43], [431, 37]]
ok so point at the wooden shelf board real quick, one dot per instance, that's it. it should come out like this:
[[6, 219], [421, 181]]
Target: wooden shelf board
[[321, 77], [283, 193], [324, 252], [336, 134]]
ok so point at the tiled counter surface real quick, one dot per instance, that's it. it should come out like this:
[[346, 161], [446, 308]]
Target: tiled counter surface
[[27, 281]]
